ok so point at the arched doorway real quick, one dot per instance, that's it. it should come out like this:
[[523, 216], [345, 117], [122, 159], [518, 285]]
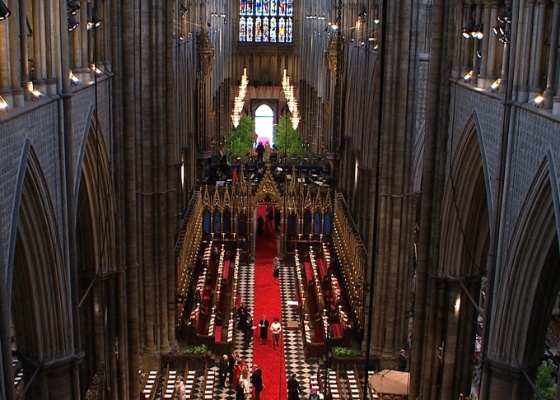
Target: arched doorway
[[264, 124]]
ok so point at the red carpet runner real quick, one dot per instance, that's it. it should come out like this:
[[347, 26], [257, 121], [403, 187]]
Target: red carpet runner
[[267, 302]]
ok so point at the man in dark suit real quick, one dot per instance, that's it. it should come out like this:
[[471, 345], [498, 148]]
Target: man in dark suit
[[402, 360], [260, 152], [223, 368], [294, 390], [231, 362], [256, 380]]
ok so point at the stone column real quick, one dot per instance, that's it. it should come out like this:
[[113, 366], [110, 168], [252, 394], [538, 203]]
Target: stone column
[[492, 50], [450, 364], [6, 369], [51, 50], [550, 91], [535, 88], [126, 70], [524, 50], [506, 382], [38, 24], [477, 42], [485, 44], [14, 49], [5, 64]]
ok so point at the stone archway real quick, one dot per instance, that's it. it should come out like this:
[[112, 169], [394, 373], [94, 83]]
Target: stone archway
[[268, 192], [526, 291], [41, 295], [465, 240], [96, 264]]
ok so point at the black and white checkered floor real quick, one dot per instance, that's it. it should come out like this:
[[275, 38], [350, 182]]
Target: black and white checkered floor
[[247, 290], [293, 343], [293, 340]]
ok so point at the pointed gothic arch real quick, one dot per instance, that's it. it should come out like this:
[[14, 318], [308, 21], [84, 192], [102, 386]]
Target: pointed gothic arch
[[464, 246], [531, 283], [96, 257], [40, 287]]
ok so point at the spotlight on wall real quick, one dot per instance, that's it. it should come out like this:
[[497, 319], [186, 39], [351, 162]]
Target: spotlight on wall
[[94, 22], [467, 30], [362, 15], [538, 101], [73, 79], [468, 76], [473, 30], [503, 29], [183, 10], [505, 16], [4, 11], [73, 7], [95, 70], [376, 14], [477, 32], [495, 86], [33, 93], [72, 23], [3, 105]]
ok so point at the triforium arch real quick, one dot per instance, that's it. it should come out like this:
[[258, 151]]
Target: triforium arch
[[41, 293], [526, 291], [96, 263], [465, 240]]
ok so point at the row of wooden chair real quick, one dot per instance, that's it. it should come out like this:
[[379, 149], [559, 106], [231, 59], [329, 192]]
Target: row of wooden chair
[[168, 387], [208, 385], [353, 385], [333, 382], [149, 385]]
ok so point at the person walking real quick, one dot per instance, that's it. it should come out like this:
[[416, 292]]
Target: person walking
[[248, 332], [294, 389], [277, 218], [260, 152], [257, 381], [276, 270], [402, 360], [180, 393], [223, 369], [275, 328], [239, 392], [245, 381], [263, 325]]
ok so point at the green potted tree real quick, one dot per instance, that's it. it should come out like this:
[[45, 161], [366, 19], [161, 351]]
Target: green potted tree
[[287, 141], [240, 143]]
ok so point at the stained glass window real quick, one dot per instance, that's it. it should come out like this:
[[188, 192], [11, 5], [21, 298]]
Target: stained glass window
[[266, 21]]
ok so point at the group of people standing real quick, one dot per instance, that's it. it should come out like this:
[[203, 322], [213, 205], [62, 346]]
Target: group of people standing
[[245, 323], [242, 379], [271, 221], [263, 151], [275, 328]]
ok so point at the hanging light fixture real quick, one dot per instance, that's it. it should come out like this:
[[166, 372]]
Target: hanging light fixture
[[4, 11]]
